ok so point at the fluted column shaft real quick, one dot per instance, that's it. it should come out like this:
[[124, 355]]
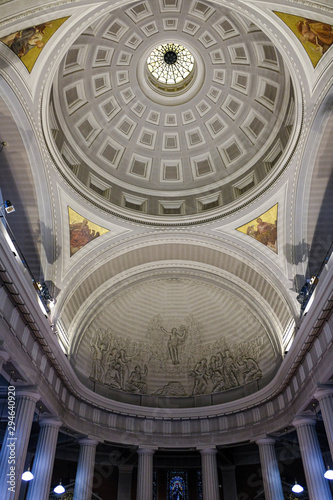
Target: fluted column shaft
[[124, 482], [42, 469], [229, 482], [15, 444], [312, 459], [270, 469], [145, 474], [210, 482], [85, 470], [325, 398]]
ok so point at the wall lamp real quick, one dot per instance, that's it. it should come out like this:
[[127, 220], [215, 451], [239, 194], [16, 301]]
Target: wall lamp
[[9, 207]]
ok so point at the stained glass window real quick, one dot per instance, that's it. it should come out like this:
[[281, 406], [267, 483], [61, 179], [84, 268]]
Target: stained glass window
[[170, 63], [177, 485]]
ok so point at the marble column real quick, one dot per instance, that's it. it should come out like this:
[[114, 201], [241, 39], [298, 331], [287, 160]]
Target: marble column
[[145, 474], [124, 482], [270, 469], [85, 470], [312, 459], [229, 482], [210, 482], [15, 444], [42, 469], [325, 397]]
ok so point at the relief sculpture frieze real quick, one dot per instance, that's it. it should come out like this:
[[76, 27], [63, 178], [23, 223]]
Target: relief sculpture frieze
[[173, 360]]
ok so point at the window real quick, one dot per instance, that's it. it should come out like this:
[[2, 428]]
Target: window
[[170, 63], [177, 486]]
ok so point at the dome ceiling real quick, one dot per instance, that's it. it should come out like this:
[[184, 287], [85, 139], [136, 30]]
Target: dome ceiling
[[175, 149]]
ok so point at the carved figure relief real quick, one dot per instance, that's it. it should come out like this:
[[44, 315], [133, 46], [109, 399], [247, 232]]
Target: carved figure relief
[[224, 372], [176, 353], [173, 343], [111, 365], [136, 381], [176, 338]]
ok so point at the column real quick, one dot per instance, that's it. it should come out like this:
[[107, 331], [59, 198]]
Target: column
[[312, 459], [270, 469], [42, 469], [229, 482], [85, 470], [15, 444], [124, 482], [210, 482], [325, 397], [145, 474]]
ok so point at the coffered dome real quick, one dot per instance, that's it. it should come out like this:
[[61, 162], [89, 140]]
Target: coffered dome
[[140, 143]]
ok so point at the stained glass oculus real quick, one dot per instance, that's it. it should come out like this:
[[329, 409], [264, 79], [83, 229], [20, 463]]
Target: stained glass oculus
[[170, 63]]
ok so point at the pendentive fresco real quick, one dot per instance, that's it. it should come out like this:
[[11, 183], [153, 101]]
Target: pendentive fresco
[[28, 43], [263, 228], [315, 35], [82, 231], [175, 355]]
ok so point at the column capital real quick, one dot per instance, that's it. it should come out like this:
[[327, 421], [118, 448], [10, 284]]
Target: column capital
[[208, 451], [50, 422], [301, 420], [262, 440], [146, 451], [28, 392], [88, 442], [323, 391]]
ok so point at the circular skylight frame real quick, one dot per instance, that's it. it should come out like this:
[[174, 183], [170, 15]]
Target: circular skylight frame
[[170, 63], [181, 92]]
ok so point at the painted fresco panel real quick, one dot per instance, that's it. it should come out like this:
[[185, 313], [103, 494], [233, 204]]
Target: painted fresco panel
[[28, 43], [263, 228], [315, 36], [82, 231]]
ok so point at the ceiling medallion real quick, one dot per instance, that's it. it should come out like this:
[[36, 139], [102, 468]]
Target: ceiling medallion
[[170, 63]]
